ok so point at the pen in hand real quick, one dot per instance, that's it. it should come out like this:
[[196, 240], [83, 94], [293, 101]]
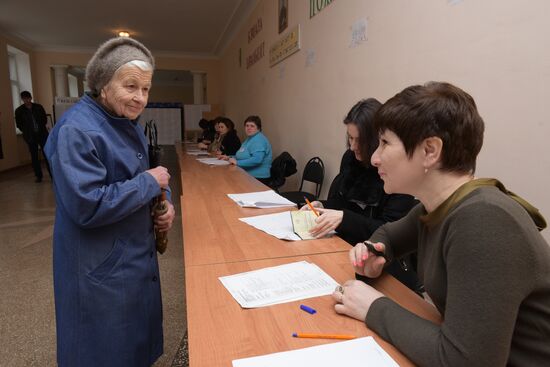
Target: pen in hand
[[371, 248], [311, 207]]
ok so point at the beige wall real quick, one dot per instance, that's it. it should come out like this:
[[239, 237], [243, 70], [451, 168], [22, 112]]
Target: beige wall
[[168, 93], [496, 50], [211, 67]]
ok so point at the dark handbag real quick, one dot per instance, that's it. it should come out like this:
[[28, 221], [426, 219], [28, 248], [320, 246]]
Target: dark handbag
[[159, 207], [153, 147]]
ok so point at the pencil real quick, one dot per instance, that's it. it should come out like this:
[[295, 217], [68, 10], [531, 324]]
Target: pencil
[[311, 207], [323, 336]]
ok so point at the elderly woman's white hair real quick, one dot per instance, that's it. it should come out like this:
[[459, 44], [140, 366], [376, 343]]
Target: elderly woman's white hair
[[113, 54]]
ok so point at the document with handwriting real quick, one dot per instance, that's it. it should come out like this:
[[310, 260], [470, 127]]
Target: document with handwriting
[[279, 284], [302, 223]]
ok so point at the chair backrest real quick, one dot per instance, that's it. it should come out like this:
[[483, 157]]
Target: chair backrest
[[314, 171]]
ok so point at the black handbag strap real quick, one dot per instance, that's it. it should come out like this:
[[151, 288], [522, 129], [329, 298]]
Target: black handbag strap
[[151, 132]]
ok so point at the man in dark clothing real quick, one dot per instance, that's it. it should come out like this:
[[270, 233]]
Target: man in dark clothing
[[31, 120]]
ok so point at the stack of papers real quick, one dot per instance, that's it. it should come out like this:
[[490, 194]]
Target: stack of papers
[[279, 284], [278, 225], [197, 152], [358, 352], [291, 226], [262, 199], [213, 161]]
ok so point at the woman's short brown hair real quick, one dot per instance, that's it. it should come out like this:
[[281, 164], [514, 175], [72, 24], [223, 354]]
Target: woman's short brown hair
[[436, 109], [256, 120]]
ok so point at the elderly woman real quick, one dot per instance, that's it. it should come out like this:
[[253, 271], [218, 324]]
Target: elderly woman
[[255, 154], [481, 257], [357, 204], [106, 274]]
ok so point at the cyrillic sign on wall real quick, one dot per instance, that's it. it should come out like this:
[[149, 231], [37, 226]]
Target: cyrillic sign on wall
[[315, 6], [284, 47]]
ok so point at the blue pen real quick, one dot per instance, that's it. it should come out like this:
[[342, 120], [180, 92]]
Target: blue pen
[[308, 309]]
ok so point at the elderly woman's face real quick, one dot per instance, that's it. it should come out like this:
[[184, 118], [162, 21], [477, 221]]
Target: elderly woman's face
[[400, 173], [127, 92]]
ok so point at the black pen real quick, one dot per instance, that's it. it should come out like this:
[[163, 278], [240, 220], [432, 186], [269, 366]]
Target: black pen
[[371, 248]]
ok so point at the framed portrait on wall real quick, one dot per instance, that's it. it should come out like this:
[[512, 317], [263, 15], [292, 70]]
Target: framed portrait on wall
[[283, 15]]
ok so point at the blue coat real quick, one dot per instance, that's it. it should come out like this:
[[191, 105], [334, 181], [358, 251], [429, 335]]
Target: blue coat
[[255, 156], [106, 276]]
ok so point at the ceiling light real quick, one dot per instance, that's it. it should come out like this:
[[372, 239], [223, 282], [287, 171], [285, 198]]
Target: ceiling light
[[123, 34]]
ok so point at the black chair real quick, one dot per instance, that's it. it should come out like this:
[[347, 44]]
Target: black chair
[[282, 167], [314, 172]]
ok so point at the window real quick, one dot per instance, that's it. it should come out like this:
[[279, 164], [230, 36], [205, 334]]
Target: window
[[73, 85], [20, 75], [15, 90]]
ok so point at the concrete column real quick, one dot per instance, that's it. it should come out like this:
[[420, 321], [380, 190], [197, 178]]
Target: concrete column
[[61, 76], [199, 84]]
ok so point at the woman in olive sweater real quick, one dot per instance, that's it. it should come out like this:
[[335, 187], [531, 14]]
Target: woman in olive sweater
[[481, 257]]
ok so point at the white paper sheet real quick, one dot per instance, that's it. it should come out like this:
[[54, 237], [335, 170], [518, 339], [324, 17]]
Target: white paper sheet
[[262, 199], [279, 284], [358, 352], [197, 152], [278, 225], [213, 161]]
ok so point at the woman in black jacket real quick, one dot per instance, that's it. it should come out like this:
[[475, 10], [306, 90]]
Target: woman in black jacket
[[228, 142], [357, 204]]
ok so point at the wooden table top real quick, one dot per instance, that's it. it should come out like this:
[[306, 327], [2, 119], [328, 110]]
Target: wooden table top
[[212, 230], [216, 244], [221, 331]]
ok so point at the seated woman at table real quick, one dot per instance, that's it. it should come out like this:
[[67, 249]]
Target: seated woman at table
[[255, 155], [481, 257], [357, 204], [228, 142], [208, 133]]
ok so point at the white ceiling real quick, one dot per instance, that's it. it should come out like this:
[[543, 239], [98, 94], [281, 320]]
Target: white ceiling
[[199, 28]]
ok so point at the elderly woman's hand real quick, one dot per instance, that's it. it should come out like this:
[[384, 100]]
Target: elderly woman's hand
[[223, 157], [328, 220], [233, 161], [161, 175], [355, 298], [164, 222], [365, 262], [315, 204]]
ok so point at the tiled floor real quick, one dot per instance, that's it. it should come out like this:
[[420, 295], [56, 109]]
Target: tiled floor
[[27, 319]]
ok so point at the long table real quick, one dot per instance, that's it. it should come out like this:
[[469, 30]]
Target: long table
[[212, 230], [216, 244]]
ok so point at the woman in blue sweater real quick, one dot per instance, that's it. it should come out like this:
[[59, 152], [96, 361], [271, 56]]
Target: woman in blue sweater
[[255, 155]]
